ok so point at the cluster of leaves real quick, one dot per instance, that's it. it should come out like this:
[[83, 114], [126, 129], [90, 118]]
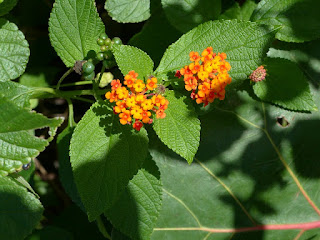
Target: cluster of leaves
[[255, 166]]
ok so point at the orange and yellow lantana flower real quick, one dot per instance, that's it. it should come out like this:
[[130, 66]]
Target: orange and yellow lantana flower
[[206, 76], [136, 100]]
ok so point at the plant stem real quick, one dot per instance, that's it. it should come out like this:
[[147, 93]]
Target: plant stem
[[102, 228], [63, 77], [297, 226], [71, 122], [74, 84], [83, 99], [52, 93]]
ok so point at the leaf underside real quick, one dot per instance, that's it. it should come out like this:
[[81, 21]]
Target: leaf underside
[[125, 11]]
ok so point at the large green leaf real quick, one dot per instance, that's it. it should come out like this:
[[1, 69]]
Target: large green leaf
[[74, 28], [20, 211], [306, 56], [299, 19], [16, 93], [180, 129], [125, 11], [130, 58], [148, 38], [104, 156], [6, 6], [251, 175], [14, 54], [65, 170], [18, 146], [187, 14], [285, 85], [137, 210], [245, 44], [241, 13]]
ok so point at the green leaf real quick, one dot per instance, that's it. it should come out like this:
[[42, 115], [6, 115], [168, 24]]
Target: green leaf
[[180, 129], [6, 6], [137, 210], [130, 58], [17, 144], [299, 19], [65, 170], [306, 56], [125, 11], [74, 27], [242, 13], [245, 44], [16, 93], [104, 156], [14, 53], [20, 210], [148, 38], [187, 14], [285, 85], [246, 174]]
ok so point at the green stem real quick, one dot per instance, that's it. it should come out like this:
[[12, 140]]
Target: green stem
[[71, 122], [63, 77], [102, 228], [95, 86], [83, 99], [52, 93], [74, 84]]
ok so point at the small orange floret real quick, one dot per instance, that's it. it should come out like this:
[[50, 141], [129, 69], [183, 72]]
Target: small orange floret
[[152, 83], [147, 104], [137, 125], [129, 81], [133, 74], [136, 112], [112, 96], [139, 86], [125, 117], [122, 93], [120, 106], [115, 84], [160, 113], [194, 56]]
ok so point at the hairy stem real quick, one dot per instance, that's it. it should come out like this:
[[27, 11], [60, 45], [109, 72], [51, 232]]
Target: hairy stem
[[63, 77]]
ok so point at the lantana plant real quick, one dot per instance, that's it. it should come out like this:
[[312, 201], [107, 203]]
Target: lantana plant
[[159, 119]]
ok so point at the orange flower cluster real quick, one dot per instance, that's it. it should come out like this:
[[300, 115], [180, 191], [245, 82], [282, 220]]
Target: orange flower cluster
[[135, 102], [206, 76]]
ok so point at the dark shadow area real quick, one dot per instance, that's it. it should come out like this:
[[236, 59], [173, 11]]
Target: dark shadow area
[[187, 15], [156, 35], [301, 13], [258, 166], [306, 55], [304, 140]]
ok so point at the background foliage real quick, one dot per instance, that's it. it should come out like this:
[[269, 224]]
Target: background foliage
[[243, 168]]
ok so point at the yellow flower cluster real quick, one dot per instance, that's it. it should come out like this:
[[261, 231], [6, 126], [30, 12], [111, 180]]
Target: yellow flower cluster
[[135, 102], [206, 76]]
